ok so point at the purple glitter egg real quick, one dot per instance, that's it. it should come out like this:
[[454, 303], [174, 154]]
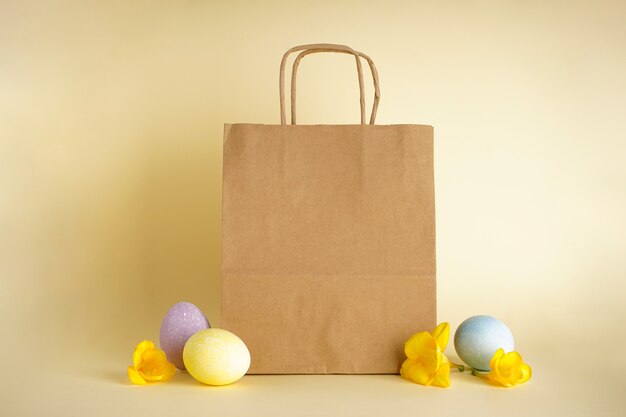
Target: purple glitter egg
[[180, 323]]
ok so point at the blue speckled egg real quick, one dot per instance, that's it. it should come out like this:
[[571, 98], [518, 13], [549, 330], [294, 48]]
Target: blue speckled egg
[[478, 338]]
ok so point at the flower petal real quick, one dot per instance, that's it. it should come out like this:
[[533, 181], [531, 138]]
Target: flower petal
[[415, 371], [442, 334], [140, 349], [442, 377], [508, 369], [526, 373], [164, 371], [504, 382], [421, 344], [168, 372], [134, 376], [511, 360], [494, 363], [150, 365]]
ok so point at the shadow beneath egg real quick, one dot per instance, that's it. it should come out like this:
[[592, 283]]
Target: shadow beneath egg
[[181, 378]]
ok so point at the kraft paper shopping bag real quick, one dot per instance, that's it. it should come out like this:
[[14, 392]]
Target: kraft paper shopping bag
[[328, 239]]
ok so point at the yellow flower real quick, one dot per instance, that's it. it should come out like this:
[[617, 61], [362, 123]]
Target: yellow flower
[[149, 365], [508, 369], [426, 364]]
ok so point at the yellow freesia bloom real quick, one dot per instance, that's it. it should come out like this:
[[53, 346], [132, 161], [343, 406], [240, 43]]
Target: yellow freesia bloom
[[426, 364], [149, 365], [508, 369]]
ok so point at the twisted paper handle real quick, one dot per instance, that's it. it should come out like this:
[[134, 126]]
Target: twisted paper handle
[[315, 48]]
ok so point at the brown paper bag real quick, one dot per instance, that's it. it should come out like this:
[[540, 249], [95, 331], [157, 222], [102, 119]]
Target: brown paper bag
[[328, 240]]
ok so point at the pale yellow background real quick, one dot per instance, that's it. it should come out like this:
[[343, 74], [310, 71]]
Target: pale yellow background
[[111, 117]]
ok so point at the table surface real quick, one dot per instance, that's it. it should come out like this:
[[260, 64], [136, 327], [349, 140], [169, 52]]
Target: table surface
[[101, 389]]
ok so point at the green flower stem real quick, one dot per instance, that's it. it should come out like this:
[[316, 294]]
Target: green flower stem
[[480, 374], [461, 368]]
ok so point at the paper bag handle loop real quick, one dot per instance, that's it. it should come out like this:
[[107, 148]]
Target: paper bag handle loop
[[315, 48]]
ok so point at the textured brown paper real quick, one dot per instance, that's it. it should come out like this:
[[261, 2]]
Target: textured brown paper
[[328, 259], [328, 244]]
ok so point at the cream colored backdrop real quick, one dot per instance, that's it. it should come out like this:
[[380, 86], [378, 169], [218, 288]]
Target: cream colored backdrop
[[111, 117]]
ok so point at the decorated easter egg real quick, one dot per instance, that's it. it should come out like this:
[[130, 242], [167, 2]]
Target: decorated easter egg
[[216, 357], [180, 322], [478, 338]]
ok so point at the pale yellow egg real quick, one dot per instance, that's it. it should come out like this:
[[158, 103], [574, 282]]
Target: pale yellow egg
[[216, 357]]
